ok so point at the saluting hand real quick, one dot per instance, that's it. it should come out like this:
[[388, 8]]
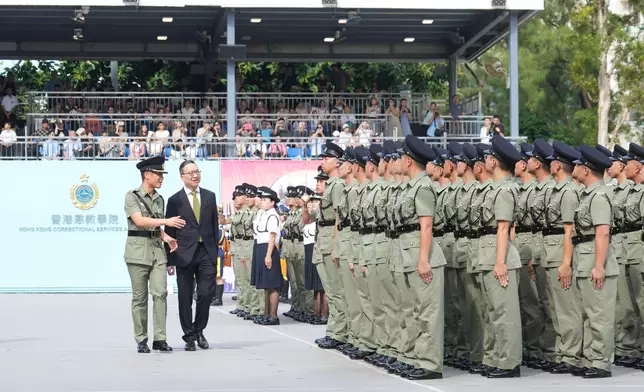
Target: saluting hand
[[598, 276], [268, 261], [176, 222], [501, 273], [425, 272], [564, 275]]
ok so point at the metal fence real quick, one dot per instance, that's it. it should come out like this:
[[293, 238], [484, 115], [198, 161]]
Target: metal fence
[[258, 104], [133, 148]]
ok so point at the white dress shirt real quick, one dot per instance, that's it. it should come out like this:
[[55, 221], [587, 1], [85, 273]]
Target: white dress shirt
[[309, 234], [268, 222], [189, 194]]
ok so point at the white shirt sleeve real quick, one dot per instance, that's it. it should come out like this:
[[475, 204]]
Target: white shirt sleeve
[[273, 223]]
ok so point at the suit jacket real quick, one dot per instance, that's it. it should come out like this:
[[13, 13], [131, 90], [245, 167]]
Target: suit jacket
[[188, 237]]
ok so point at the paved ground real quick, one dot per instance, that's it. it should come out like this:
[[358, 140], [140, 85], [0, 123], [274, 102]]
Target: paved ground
[[72, 343]]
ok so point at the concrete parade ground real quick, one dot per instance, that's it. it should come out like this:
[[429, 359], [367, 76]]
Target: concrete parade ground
[[73, 343]]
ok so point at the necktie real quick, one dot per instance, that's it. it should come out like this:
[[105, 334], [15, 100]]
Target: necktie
[[195, 205]]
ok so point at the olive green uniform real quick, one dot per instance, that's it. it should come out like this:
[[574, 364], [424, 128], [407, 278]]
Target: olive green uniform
[[446, 244], [348, 254], [258, 299], [330, 274], [376, 248], [301, 299], [239, 249], [597, 305], [403, 299], [562, 202], [626, 236], [538, 203], [146, 264], [531, 313], [464, 196], [478, 303], [426, 328], [633, 214], [503, 302]]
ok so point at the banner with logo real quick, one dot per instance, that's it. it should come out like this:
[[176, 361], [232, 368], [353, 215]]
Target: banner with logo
[[64, 226]]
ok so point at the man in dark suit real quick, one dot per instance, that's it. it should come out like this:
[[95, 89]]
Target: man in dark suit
[[196, 256]]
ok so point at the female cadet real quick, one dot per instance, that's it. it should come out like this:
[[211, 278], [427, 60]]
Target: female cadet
[[267, 256], [312, 280]]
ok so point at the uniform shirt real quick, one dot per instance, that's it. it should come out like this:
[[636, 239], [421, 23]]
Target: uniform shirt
[[439, 215], [331, 198], [140, 250], [619, 204], [345, 241], [372, 243], [633, 213], [500, 205], [308, 232], [393, 219], [256, 218], [537, 210], [237, 231], [418, 200], [594, 210], [561, 202], [463, 198], [358, 241], [266, 223], [480, 193], [525, 240], [450, 203]]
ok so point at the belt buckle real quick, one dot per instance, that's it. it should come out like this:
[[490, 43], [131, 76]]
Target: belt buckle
[[155, 234]]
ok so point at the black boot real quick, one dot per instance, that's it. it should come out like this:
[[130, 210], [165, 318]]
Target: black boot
[[219, 294]]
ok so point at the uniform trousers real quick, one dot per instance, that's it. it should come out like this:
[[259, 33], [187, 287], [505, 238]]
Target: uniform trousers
[[303, 297], [627, 320], [531, 315], [504, 321], [330, 276], [258, 298], [374, 285], [367, 337], [427, 328], [599, 308], [156, 277], [639, 294], [386, 324], [406, 314], [567, 320], [354, 311], [242, 275], [474, 327], [548, 336]]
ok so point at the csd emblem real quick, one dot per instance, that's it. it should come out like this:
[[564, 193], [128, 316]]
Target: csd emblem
[[84, 196]]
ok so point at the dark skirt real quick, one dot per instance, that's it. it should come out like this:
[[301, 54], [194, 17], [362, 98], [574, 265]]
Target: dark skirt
[[311, 277], [267, 278], [253, 265]]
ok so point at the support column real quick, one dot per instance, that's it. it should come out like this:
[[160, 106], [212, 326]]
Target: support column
[[231, 98], [114, 74], [453, 89], [514, 75]]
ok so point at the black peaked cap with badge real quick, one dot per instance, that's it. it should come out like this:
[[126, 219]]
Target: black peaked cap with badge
[[525, 149], [470, 152], [266, 192], [605, 151], [455, 150], [564, 153], [621, 154], [362, 155], [153, 164], [593, 159], [347, 156], [482, 150], [240, 190], [636, 151], [541, 151], [505, 151], [290, 191], [322, 176], [397, 150], [332, 151], [387, 150], [376, 153], [417, 150], [251, 190], [440, 153]]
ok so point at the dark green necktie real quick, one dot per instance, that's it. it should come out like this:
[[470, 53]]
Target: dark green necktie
[[195, 205]]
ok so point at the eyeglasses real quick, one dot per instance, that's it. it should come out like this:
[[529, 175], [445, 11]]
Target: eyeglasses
[[193, 173]]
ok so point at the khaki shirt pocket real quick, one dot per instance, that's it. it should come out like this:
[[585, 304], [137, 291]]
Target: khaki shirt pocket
[[135, 250], [487, 253], [584, 260], [325, 240], [382, 248], [410, 252], [633, 247], [553, 246], [461, 252], [368, 249], [525, 245], [619, 247], [343, 246]]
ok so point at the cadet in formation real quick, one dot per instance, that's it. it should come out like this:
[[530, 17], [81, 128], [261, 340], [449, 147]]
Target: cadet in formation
[[481, 257]]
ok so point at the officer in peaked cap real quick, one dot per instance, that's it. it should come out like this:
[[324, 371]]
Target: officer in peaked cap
[[564, 153], [349, 156], [387, 149], [322, 176], [605, 151], [421, 353], [482, 149], [620, 153], [154, 164], [376, 154], [332, 151], [597, 284], [470, 154], [636, 151], [541, 151], [500, 278], [526, 148], [145, 256], [237, 251]]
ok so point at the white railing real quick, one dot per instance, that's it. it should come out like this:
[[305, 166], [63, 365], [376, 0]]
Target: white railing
[[51, 147]]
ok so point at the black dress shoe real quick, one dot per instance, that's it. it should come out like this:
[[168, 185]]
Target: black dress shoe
[[249, 316], [190, 346], [234, 298], [578, 372], [505, 373], [235, 311], [371, 359], [142, 347], [322, 340], [288, 313], [330, 344], [564, 368], [391, 368], [545, 365], [639, 365], [270, 321], [386, 362], [477, 368], [628, 362], [404, 370], [242, 314], [161, 345], [216, 302], [259, 319], [596, 373], [423, 374], [360, 355], [201, 341]]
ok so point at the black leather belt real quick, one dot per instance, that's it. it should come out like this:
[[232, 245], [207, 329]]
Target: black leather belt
[[343, 225], [439, 233], [144, 234], [372, 230], [553, 231], [523, 229], [625, 229], [487, 231], [578, 239], [355, 228], [466, 234], [407, 228], [326, 223]]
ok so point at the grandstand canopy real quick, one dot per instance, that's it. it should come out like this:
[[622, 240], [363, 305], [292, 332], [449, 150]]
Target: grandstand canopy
[[373, 30]]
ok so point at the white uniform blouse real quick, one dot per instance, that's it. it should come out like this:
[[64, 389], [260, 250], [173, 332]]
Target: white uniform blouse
[[267, 223], [258, 216], [309, 233]]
